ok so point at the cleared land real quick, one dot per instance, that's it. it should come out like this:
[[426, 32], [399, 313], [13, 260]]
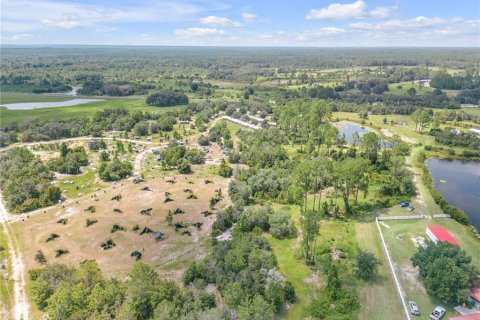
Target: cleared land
[[170, 256], [379, 297]]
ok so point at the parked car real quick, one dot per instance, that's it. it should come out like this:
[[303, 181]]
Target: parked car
[[413, 308], [411, 208], [404, 204], [437, 313]]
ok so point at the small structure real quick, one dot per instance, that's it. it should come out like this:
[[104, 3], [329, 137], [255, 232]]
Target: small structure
[[474, 297], [438, 233]]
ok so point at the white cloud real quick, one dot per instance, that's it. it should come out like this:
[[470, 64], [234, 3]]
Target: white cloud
[[33, 14], [200, 32], [64, 23], [397, 24], [249, 17], [339, 11], [214, 21], [308, 35], [380, 12], [17, 37]]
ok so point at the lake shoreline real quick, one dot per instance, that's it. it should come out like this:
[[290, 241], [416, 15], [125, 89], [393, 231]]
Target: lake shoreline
[[447, 206]]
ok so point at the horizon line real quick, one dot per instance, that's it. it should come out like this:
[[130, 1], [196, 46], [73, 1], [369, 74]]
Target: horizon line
[[233, 46]]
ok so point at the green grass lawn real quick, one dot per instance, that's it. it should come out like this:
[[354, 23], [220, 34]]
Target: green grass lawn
[[379, 298], [472, 111], [83, 184], [296, 272], [79, 111], [393, 88], [399, 236], [293, 267], [17, 97]]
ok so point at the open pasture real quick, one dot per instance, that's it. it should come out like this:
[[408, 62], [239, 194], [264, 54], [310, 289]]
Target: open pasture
[[402, 240], [169, 255]]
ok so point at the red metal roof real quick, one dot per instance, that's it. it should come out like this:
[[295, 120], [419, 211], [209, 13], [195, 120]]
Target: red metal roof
[[475, 293], [442, 234], [475, 316]]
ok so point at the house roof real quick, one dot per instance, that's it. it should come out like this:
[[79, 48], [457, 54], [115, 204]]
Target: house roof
[[475, 293], [474, 316], [442, 235]]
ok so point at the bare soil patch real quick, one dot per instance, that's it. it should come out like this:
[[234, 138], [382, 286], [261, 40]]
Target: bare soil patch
[[170, 255]]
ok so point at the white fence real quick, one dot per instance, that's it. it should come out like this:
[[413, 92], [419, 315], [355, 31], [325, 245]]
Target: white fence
[[421, 216], [441, 216], [392, 268], [242, 123]]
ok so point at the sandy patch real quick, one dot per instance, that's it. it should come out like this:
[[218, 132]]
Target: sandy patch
[[411, 276]]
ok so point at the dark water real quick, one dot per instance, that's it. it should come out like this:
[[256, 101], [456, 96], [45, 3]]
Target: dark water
[[459, 183], [349, 129]]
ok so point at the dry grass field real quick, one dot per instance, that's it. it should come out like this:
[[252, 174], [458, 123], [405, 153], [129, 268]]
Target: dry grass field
[[170, 255]]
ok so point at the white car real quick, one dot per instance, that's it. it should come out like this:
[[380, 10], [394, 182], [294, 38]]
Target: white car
[[437, 313], [413, 308]]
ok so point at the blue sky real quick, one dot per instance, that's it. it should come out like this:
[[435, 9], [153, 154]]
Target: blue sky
[[242, 23]]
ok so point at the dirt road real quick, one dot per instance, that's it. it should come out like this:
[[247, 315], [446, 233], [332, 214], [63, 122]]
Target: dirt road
[[20, 302]]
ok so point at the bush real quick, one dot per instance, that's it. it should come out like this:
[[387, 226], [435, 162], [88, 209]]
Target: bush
[[281, 226], [203, 141], [225, 170], [184, 167], [115, 170], [366, 265]]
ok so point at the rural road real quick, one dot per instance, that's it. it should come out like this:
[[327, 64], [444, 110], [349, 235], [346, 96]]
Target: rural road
[[20, 302]]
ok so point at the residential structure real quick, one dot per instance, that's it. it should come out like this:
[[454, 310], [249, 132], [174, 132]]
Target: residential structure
[[438, 233]]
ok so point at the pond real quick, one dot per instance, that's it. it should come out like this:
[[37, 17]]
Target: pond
[[41, 105], [349, 129], [459, 183]]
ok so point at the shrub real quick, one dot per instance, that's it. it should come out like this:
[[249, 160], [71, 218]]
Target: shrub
[[184, 167], [281, 226], [366, 265]]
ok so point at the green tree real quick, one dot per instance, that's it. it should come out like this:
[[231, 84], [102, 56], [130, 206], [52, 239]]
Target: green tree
[[447, 270], [258, 309], [184, 167], [225, 170], [421, 117], [366, 265], [310, 224], [303, 177], [349, 176], [142, 291], [412, 91], [370, 144]]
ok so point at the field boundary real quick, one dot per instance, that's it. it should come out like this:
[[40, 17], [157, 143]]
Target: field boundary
[[392, 268], [417, 217], [441, 216]]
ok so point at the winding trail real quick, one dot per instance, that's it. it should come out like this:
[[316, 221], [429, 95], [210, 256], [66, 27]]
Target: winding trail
[[20, 303]]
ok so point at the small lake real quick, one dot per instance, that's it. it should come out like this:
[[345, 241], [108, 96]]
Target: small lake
[[349, 129], [459, 183], [41, 105]]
